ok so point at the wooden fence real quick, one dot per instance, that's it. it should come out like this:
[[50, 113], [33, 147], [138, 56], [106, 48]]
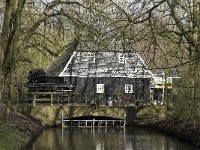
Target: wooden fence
[[70, 98]]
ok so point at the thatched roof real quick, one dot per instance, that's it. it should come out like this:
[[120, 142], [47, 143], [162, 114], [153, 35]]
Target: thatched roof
[[58, 65]]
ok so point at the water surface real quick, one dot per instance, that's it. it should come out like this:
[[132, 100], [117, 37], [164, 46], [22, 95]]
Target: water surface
[[107, 139]]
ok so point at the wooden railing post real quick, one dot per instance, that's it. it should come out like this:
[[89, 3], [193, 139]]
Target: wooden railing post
[[93, 123], [86, 98], [68, 98], [34, 99], [51, 99]]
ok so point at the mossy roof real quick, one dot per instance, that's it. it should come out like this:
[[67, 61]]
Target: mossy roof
[[57, 66]]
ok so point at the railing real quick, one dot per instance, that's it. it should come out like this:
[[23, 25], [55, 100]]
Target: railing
[[43, 97], [60, 93], [93, 123], [70, 98]]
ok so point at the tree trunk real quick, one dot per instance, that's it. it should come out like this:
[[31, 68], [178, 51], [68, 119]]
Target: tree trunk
[[1, 72], [4, 40], [10, 95], [8, 43]]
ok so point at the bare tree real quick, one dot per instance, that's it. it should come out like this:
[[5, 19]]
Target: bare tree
[[165, 32], [27, 25]]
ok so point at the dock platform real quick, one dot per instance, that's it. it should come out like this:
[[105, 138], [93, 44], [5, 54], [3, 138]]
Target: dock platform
[[93, 123]]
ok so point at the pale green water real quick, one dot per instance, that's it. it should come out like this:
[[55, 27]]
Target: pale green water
[[107, 139]]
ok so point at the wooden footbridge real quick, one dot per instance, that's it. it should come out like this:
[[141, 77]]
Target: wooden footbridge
[[56, 94], [48, 106]]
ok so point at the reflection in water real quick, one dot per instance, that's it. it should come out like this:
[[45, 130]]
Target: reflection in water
[[106, 139]]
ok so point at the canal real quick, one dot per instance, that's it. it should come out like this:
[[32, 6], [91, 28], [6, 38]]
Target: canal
[[106, 139]]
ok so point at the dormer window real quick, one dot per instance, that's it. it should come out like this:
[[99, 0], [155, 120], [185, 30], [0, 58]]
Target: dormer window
[[122, 58], [91, 57]]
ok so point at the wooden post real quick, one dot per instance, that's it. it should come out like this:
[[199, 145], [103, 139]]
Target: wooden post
[[62, 133], [86, 97], [62, 120], [51, 99], [34, 99], [93, 122], [68, 98], [124, 120]]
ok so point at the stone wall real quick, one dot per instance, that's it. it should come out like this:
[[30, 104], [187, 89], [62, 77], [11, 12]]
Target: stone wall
[[51, 115]]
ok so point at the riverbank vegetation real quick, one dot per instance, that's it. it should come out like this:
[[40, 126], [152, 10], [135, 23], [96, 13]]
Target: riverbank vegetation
[[183, 130], [19, 132], [12, 138], [159, 118]]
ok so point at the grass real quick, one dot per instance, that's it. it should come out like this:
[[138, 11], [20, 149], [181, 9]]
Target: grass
[[11, 138]]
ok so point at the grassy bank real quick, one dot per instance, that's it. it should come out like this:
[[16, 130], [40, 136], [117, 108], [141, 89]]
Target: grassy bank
[[19, 132], [12, 138]]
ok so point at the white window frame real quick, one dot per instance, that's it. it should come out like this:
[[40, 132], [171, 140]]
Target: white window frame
[[128, 88], [100, 88], [122, 58], [91, 57]]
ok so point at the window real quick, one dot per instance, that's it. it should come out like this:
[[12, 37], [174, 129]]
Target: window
[[91, 57], [122, 58], [128, 88], [100, 88]]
